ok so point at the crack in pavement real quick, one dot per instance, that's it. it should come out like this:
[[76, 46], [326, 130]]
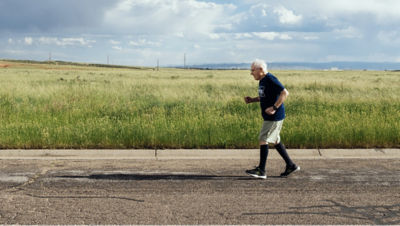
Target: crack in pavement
[[83, 197], [32, 180], [376, 214]]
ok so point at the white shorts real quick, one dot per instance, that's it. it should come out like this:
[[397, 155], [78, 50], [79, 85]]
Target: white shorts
[[270, 132]]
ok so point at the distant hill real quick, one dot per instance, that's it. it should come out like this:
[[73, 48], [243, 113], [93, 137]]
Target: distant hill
[[379, 66], [57, 62], [376, 66]]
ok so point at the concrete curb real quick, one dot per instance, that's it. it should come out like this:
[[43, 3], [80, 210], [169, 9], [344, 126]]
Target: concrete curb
[[120, 154]]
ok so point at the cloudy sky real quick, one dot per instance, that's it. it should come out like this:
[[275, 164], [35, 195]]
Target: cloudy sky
[[138, 32]]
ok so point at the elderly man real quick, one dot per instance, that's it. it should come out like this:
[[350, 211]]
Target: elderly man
[[271, 95]]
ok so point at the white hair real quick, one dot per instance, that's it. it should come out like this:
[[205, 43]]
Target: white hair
[[261, 64]]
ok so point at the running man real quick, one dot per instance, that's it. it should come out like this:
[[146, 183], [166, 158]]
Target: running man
[[271, 95]]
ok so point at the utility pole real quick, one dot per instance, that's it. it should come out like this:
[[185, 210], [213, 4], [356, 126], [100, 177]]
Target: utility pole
[[158, 64], [108, 59], [184, 61], [49, 56]]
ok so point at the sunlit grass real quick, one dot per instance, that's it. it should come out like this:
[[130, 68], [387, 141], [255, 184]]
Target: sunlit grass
[[88, 107]]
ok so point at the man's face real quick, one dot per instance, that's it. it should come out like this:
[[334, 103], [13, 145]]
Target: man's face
[[257, 72]]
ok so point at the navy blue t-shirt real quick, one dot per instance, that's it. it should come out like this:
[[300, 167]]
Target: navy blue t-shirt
[[269, 90]]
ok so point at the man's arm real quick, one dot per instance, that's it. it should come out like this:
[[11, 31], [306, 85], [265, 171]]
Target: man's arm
[[249, 100], [278, 103]]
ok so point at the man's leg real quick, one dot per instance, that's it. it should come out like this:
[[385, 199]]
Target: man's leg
[[263, 155], [290, 166], [282, 151], [259, 172]]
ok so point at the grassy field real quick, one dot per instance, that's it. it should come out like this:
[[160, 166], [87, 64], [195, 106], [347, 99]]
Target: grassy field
[[61, 106]]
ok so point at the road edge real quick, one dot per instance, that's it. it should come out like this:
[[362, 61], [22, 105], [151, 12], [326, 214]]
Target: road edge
[[160, 154]]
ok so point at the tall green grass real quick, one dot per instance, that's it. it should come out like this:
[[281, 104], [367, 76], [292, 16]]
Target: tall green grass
[[82, 107]]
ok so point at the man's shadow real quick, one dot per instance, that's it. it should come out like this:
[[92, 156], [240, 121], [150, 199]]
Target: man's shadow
[[153, 177]]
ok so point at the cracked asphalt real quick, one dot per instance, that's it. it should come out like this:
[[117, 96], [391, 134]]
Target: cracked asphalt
[[325, 191]]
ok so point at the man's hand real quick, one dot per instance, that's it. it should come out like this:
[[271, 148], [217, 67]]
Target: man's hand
[[248, 100], [282, 97], [270, 111]]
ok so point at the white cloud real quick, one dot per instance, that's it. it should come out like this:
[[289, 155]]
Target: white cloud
[[117, 48], [349, 32], [263, 12], [179, 35], [389, 37], [386, 8], [28, 40], [266, 35], [367, 13], [144, 43], [287, 16], [49, 41], [311, 37], [243, 35], [168, 16], [259, 9], [285, 37], [338, 58], [115, 42], [272, 35], [214, 36], [66, 41], [77, 41], [16, 52], [10, 41]]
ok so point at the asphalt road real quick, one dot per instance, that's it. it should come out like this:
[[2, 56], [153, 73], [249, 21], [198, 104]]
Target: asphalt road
[[325, 191]]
